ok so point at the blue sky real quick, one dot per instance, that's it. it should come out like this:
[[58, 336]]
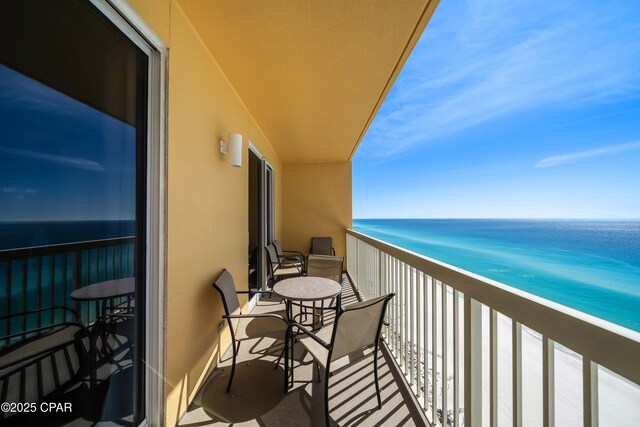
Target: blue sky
[[61, 159], [510, 110]]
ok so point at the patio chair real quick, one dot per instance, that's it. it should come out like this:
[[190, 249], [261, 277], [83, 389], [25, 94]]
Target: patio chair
[[329, 267], [43, 361], [322, 246], [246, 326], [357, 327], [289, 257], [276, 269]]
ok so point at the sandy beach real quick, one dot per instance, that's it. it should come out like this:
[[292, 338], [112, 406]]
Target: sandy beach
[[619, 398]]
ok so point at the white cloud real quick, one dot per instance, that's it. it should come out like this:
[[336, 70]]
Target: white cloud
[[19, 193], [492, 59], [73, 162], [561, 159]]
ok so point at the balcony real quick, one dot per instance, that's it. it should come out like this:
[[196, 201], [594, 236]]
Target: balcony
[[559, 367], [257, 396]]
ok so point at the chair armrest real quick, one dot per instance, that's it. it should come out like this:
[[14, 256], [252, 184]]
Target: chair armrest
[[293, 252], [40, 329], [309, 333], [244, 316], [287, 265], [27, 313], [253, 292], [292, 258]]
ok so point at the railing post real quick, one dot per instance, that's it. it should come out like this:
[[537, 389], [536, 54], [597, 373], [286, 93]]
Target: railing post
[[77, 267], [8, 299], [472, 362], [39, 291], [548, 382], [380, 274], [456, 357], [434, 350], [516, 351], [590, 393], [493, 368]]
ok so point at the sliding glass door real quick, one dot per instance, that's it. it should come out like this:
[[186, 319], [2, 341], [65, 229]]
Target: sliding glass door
[[261, 217], [73, 191], [255, 215]]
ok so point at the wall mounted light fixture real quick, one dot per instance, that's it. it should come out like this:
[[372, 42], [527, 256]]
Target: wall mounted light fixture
[[233, 149]]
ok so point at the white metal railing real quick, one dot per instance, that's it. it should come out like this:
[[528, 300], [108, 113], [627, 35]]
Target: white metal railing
[[444, 327]]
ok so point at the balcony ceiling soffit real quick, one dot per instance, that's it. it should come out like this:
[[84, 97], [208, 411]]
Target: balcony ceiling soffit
[[312, 73]]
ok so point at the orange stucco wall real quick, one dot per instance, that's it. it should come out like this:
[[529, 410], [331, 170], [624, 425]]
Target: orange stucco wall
[[316, 202], [206, 201]]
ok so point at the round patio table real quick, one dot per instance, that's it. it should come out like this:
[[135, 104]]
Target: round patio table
[[106, 290], [307, 288]]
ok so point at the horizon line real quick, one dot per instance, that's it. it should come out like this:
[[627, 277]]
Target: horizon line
[[514, 218]]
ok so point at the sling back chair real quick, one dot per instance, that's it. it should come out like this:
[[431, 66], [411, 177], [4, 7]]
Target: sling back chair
[[357, 327], [289, 257], [329, 267], [322, 246], [276, 269], [246, 326]]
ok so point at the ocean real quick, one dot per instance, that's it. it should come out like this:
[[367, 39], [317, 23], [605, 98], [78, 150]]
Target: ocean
[[589, 265]]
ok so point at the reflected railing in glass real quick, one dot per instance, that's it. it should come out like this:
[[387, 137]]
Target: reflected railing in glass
[[33, 279]]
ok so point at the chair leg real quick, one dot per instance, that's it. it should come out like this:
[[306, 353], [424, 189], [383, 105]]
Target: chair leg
[[235, 349], [279, 358], [327, 374], [286, 362], [375, 376], [291, 361]]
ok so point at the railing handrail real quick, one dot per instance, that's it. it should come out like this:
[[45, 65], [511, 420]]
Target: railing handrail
[[35, 251], [612, 346]]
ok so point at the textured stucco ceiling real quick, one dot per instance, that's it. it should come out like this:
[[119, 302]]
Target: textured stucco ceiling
[[312, 72]]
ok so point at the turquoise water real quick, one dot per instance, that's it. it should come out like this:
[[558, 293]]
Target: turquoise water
[[591, 266]]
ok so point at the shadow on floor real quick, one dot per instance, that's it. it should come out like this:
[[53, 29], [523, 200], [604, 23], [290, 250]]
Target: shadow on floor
[[243, 403], [257, 397]]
